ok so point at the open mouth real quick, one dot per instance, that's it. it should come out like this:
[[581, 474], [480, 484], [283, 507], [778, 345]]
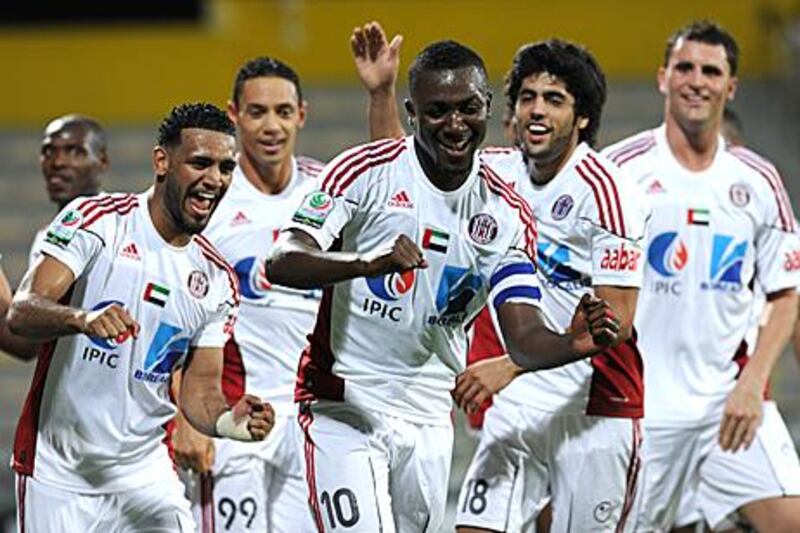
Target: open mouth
[[537, 132], [455, 149], [271, 146], [201, 203]]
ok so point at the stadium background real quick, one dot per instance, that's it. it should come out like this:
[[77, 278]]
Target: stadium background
[[127, 63]]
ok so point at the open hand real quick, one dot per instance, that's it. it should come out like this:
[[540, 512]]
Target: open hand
[[377, 60]]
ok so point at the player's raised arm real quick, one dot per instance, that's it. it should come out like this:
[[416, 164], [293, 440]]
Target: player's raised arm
[[377, 63], [204, 405], [298, 261], [13, 345]]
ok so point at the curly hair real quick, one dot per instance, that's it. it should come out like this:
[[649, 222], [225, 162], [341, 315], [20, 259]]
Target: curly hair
[[196, 115], [572, 64]]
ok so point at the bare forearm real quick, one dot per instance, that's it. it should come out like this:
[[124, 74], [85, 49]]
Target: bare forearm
[[306, 269], [15, 345], [539, 349], [384, 115], [202, 404], [38, 318], [773, 337]]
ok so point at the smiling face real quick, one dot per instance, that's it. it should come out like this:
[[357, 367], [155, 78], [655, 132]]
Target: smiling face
[[696, 82], [193, 176], [449, 109], [70, 165], [544, 120], [268, 116]]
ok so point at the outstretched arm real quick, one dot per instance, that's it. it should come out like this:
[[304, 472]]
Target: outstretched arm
[[297, 261], [377, 64], [11, 344]]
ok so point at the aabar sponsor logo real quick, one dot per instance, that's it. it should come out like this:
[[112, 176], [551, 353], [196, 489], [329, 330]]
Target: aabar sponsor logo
[[620, 259]]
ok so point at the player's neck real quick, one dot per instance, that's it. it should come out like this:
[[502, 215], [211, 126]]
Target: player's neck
[[693, 148], [165, 225], [269, 179], [441, 179], [543, 172]]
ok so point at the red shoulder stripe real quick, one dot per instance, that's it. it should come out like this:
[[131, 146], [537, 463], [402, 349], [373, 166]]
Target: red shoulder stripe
[[211, 253], [120, 206], [631, 146], [614, 193], [502, 189], [768, 172], [601, 196], [388, 154], [353, 158]]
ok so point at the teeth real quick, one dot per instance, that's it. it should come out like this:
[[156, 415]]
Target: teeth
[[537, 129], [205, 195]]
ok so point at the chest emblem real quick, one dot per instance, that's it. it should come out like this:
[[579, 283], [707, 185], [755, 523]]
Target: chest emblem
[[130, 251], [482, 228], [198, 284], [739, 195], [401, 199], [562, 206]]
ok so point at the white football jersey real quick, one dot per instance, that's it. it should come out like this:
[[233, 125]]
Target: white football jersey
[[591, 226], [270, 334], [395, 343], [94, 416], [713, 234]]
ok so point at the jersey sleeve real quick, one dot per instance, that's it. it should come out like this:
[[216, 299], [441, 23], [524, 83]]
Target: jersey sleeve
[[327, 209], [217, 330], [514, 280], [617, 236], [777, 253], [66, 240]]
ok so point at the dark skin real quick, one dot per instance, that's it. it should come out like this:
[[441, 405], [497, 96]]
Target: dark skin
[[450, 108], [202, 162]]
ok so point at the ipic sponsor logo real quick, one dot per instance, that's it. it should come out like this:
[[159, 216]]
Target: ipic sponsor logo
[[727, 260], [388, 288], [668, 256], [102, 351], [620, 259]]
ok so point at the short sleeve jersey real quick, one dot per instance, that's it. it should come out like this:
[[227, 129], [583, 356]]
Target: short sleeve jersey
[[591, 225], [92, 421], [394, 343], [712, 235], [273, 322]]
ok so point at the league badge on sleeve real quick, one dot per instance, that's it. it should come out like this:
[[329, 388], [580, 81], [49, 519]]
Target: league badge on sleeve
[[64, 228], [314, 210]]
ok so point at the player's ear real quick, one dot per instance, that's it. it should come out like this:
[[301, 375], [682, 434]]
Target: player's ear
[[302, 110], [411, 111], [583, 122], [661, 77], [732, 86], [232, 110], [160, 162], [488, 103]]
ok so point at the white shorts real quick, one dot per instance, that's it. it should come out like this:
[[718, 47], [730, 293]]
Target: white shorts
[[587, 465], [384, 474], [682, 464], [253, 486], [157, 508]]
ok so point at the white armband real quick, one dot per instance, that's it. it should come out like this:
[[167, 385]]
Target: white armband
[[227, 427]]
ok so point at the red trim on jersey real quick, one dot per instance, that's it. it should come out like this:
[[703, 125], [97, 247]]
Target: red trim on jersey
[[633, 149], [21, 481], [305, 418], [596, 190], [614, 191], [207, 502], [120, 206], [768, 172], [28, 425], [485, 345], [309, 165], [233, 374], [594, 179], [101, 200], [217, 259], [634, 465], [617, 387], [314, 376], [507, 193], [353, 165]]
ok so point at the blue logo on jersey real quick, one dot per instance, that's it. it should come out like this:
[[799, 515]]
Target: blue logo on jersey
[[727, 259], [457, 287], [391, 287], [166, 349], [252, 276], [109, 344], [667, 254], [553, 262]]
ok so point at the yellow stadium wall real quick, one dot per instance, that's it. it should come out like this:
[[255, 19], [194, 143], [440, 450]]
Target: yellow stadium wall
[[129, 74]]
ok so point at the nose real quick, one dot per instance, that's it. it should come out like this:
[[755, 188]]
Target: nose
[[270, 121], [455, 123], [59, 158], [537, 109]]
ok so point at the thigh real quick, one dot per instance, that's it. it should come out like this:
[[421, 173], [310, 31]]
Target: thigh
[[287, 502], [346, 472], [157, 508], [499, 473], [419, 474], [43, 509], [595, 463], [768, 469]]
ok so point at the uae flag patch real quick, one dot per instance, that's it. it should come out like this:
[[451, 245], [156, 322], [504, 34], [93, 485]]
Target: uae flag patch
[[156, 294], [698, 217], [435, 240]]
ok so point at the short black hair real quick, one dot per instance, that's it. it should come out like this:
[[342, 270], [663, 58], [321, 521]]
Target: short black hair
[[196, 115], [708, 32], [98, 140], [570, 63], [444, 55], [265, 67]]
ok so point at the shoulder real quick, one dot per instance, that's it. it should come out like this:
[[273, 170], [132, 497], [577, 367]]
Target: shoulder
[[105, 207], [510, 204], [308, 166], [346, 168], [506, 162], [631, 148], [218, 269]]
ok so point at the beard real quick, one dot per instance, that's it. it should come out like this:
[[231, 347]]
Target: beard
[[174, 199]]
